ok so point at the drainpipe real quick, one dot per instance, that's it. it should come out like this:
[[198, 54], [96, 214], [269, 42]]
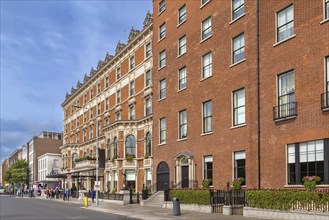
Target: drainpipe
[[258, 92]]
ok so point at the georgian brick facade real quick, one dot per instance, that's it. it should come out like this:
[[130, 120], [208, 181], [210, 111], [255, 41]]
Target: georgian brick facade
[[210, 122]]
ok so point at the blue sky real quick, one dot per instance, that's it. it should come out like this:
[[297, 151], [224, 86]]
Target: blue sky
[[46, 47]]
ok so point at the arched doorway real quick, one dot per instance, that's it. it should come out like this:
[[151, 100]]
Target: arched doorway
[[162, 176]]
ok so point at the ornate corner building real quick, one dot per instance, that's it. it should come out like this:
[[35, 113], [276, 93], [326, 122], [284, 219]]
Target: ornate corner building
[[112, 110]]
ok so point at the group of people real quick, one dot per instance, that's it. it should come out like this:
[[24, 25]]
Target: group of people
[[51, 193], [31, 192]]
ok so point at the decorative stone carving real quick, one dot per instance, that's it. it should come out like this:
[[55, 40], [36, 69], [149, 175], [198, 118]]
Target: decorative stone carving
[[92, 72], [100, 65], [72, 90], [148, 19], [79, 84], [108, 57], [67, 95], [119, 47], [133, 33], [86, 78]]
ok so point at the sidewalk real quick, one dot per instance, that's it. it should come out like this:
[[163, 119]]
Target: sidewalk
[[145, 212]]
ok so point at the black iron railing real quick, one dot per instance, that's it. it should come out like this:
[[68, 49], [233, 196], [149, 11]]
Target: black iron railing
[[285, 110], [325, 100], [235, 198]]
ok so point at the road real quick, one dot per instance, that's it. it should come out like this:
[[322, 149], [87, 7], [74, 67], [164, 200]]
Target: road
[[29, 208]]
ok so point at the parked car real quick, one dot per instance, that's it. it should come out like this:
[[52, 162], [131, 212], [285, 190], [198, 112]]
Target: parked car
[[2, 191]]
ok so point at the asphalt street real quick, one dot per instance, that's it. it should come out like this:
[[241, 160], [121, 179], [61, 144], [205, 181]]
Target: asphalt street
[[29, 208]]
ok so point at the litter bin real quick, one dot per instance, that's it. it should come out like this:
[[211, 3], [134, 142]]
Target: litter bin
[[176, 206], [85, 201]]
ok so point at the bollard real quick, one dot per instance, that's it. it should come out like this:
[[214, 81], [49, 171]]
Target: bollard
[[176, 206], [85, 201]]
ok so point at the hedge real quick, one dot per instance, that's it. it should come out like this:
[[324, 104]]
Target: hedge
[[285, 199], [192, 196]]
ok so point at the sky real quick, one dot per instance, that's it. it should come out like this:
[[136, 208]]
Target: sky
[[46, 47]]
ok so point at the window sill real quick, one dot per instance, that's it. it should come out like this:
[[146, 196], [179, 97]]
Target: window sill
[[278, 43], [182, 139], [159, 145], [203, 40], [241, 61], [161, 68], [205, 78], [162, 99], [206, 134], [161, 39], [180, 55], [324, 21], [181, 23], [285, 119], [181, 89], [161, 12], [238, 126], [204, 4], [325, 109], [237, 19]]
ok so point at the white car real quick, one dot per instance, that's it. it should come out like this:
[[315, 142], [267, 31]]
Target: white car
[[2, 191]]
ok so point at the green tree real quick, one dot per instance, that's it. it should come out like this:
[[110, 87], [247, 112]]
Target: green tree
[[19, 172]]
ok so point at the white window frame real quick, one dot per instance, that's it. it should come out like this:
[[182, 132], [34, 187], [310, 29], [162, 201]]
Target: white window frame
[[162, 90], [203, 76], [148, 81], [148, 50], [118, 96], [162, 129], [132, 88], [182, 14], [204, 117], [162, 31], [205, 29], [181, 46], [285, 24], [162, 8], [132, 112], [236, 107], [132, 62], [162, 59], [241, 49], [239, 7], [182, 124], [118, 73], [181, 80]]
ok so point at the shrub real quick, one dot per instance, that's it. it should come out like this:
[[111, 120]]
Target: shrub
[[206, 183], [192, 196], [130, 157], [237, 182], [310, 182], [113, 191], [285, 199], [146, 156], [113, 158]]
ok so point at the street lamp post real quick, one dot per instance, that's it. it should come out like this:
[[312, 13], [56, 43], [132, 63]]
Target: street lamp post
[[97, 134]]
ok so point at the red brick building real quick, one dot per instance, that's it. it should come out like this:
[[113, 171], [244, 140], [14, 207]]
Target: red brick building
[[240, 90], [112, 110]]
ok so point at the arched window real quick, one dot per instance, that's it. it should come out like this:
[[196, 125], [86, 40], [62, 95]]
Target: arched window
[[148, 144], [74, 157], [130, 145], [115, 147], [108, 147]]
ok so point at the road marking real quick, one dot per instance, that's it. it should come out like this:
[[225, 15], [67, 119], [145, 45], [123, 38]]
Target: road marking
[[77, 217]]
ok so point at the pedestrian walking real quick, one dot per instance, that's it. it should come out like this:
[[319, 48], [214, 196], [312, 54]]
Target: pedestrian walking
[[93, 194]]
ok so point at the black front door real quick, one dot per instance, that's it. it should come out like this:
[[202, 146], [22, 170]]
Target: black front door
[[185, 177], [162, 176]]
